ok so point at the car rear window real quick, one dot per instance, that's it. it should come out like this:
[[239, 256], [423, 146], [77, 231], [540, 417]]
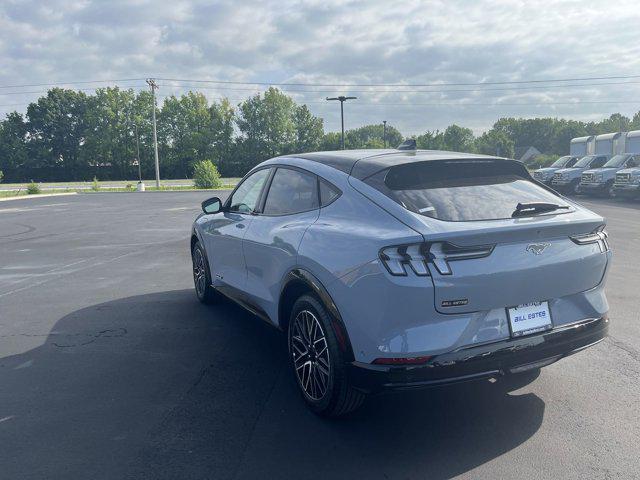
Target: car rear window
[[461, 190]]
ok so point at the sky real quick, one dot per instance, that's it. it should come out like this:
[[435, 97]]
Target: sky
[[327, 47]]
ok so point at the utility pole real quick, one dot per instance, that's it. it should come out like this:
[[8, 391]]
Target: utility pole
[[384, 133], [342, 99], [138, 154], [152, 83]]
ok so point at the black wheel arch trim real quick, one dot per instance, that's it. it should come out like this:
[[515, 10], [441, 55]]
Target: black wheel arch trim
[[300, 275], [197, 234]]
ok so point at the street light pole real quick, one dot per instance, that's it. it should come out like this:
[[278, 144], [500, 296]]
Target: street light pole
[[342, 99], [152, 83], [384, 133]]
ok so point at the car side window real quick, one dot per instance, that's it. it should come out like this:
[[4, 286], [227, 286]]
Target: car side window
[[598, 162], [571, 162], [633, 162], [291, 191], [328, 193], [245, 198]]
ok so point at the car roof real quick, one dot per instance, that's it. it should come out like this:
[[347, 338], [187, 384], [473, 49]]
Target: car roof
[[364, 163]]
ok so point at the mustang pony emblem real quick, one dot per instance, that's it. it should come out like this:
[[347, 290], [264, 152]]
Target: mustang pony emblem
[[537, 248]]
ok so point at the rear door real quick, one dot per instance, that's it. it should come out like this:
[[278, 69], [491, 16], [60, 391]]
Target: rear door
[[483, 255], [271, 243]]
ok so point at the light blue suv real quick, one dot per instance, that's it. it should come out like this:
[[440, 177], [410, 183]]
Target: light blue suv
[[399, 269]]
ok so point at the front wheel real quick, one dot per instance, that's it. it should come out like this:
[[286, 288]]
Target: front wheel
[[610, 191], [574, 187], [317, 362], [202, 276]]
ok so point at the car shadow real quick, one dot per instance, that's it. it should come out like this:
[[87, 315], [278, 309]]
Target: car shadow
[[160, 386]]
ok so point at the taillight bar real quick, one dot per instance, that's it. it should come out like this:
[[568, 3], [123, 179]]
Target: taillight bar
[[599, 236], [396, 258], [443, 253]]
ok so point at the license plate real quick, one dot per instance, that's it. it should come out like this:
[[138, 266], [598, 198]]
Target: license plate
[[529, 318]]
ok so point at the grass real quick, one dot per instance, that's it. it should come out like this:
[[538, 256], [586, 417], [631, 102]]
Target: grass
[[107, 186], [115, 183]]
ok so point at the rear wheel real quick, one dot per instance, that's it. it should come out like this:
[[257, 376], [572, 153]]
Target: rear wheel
[[202, 276], [317, 361]]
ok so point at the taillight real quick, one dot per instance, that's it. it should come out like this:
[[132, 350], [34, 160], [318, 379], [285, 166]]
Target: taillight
[[443, 253], [397, 258], [599, 236], [402, 360], [416, 256]]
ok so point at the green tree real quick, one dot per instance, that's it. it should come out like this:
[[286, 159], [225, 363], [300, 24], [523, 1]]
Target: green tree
[[57, 127], [330, 141], [615, 123], [309, 130], [431, 140], [221, 134], [13, 145], [372, 136], [267, 127], [110, 148], [185, 128], [495, 142], [458, 139]]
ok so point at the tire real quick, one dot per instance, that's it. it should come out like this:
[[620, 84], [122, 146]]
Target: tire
[[202, 276], [574, 187], [609, 192], [316, 360]]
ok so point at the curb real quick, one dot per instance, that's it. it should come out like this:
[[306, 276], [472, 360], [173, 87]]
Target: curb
[[38, 195]]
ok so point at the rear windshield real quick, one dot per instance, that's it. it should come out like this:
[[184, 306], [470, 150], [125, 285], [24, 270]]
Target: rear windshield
[[563, 162], [456, 191]]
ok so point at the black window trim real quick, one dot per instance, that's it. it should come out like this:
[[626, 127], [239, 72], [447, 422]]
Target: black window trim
[[267, 187], [320, 180], [227, 203], [263, 199]]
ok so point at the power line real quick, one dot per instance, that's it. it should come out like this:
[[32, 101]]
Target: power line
[[340, 85], [81, 82], [537, 87], [495, 104], [441, 84], [433, 104], [74, 89]]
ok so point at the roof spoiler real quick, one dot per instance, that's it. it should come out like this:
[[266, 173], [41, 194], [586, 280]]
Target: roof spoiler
[[409, 144]]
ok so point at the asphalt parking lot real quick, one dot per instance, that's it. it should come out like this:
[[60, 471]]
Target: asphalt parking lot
[[110, 369]]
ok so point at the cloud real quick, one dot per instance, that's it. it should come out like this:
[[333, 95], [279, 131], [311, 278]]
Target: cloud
[[337, 42]]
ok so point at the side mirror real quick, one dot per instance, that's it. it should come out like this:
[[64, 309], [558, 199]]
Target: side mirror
[[212, 205]]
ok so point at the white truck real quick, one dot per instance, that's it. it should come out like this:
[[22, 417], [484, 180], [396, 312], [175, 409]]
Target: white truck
[[601, 181]]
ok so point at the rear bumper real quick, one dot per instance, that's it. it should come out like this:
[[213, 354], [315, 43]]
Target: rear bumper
[[483, 361]]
